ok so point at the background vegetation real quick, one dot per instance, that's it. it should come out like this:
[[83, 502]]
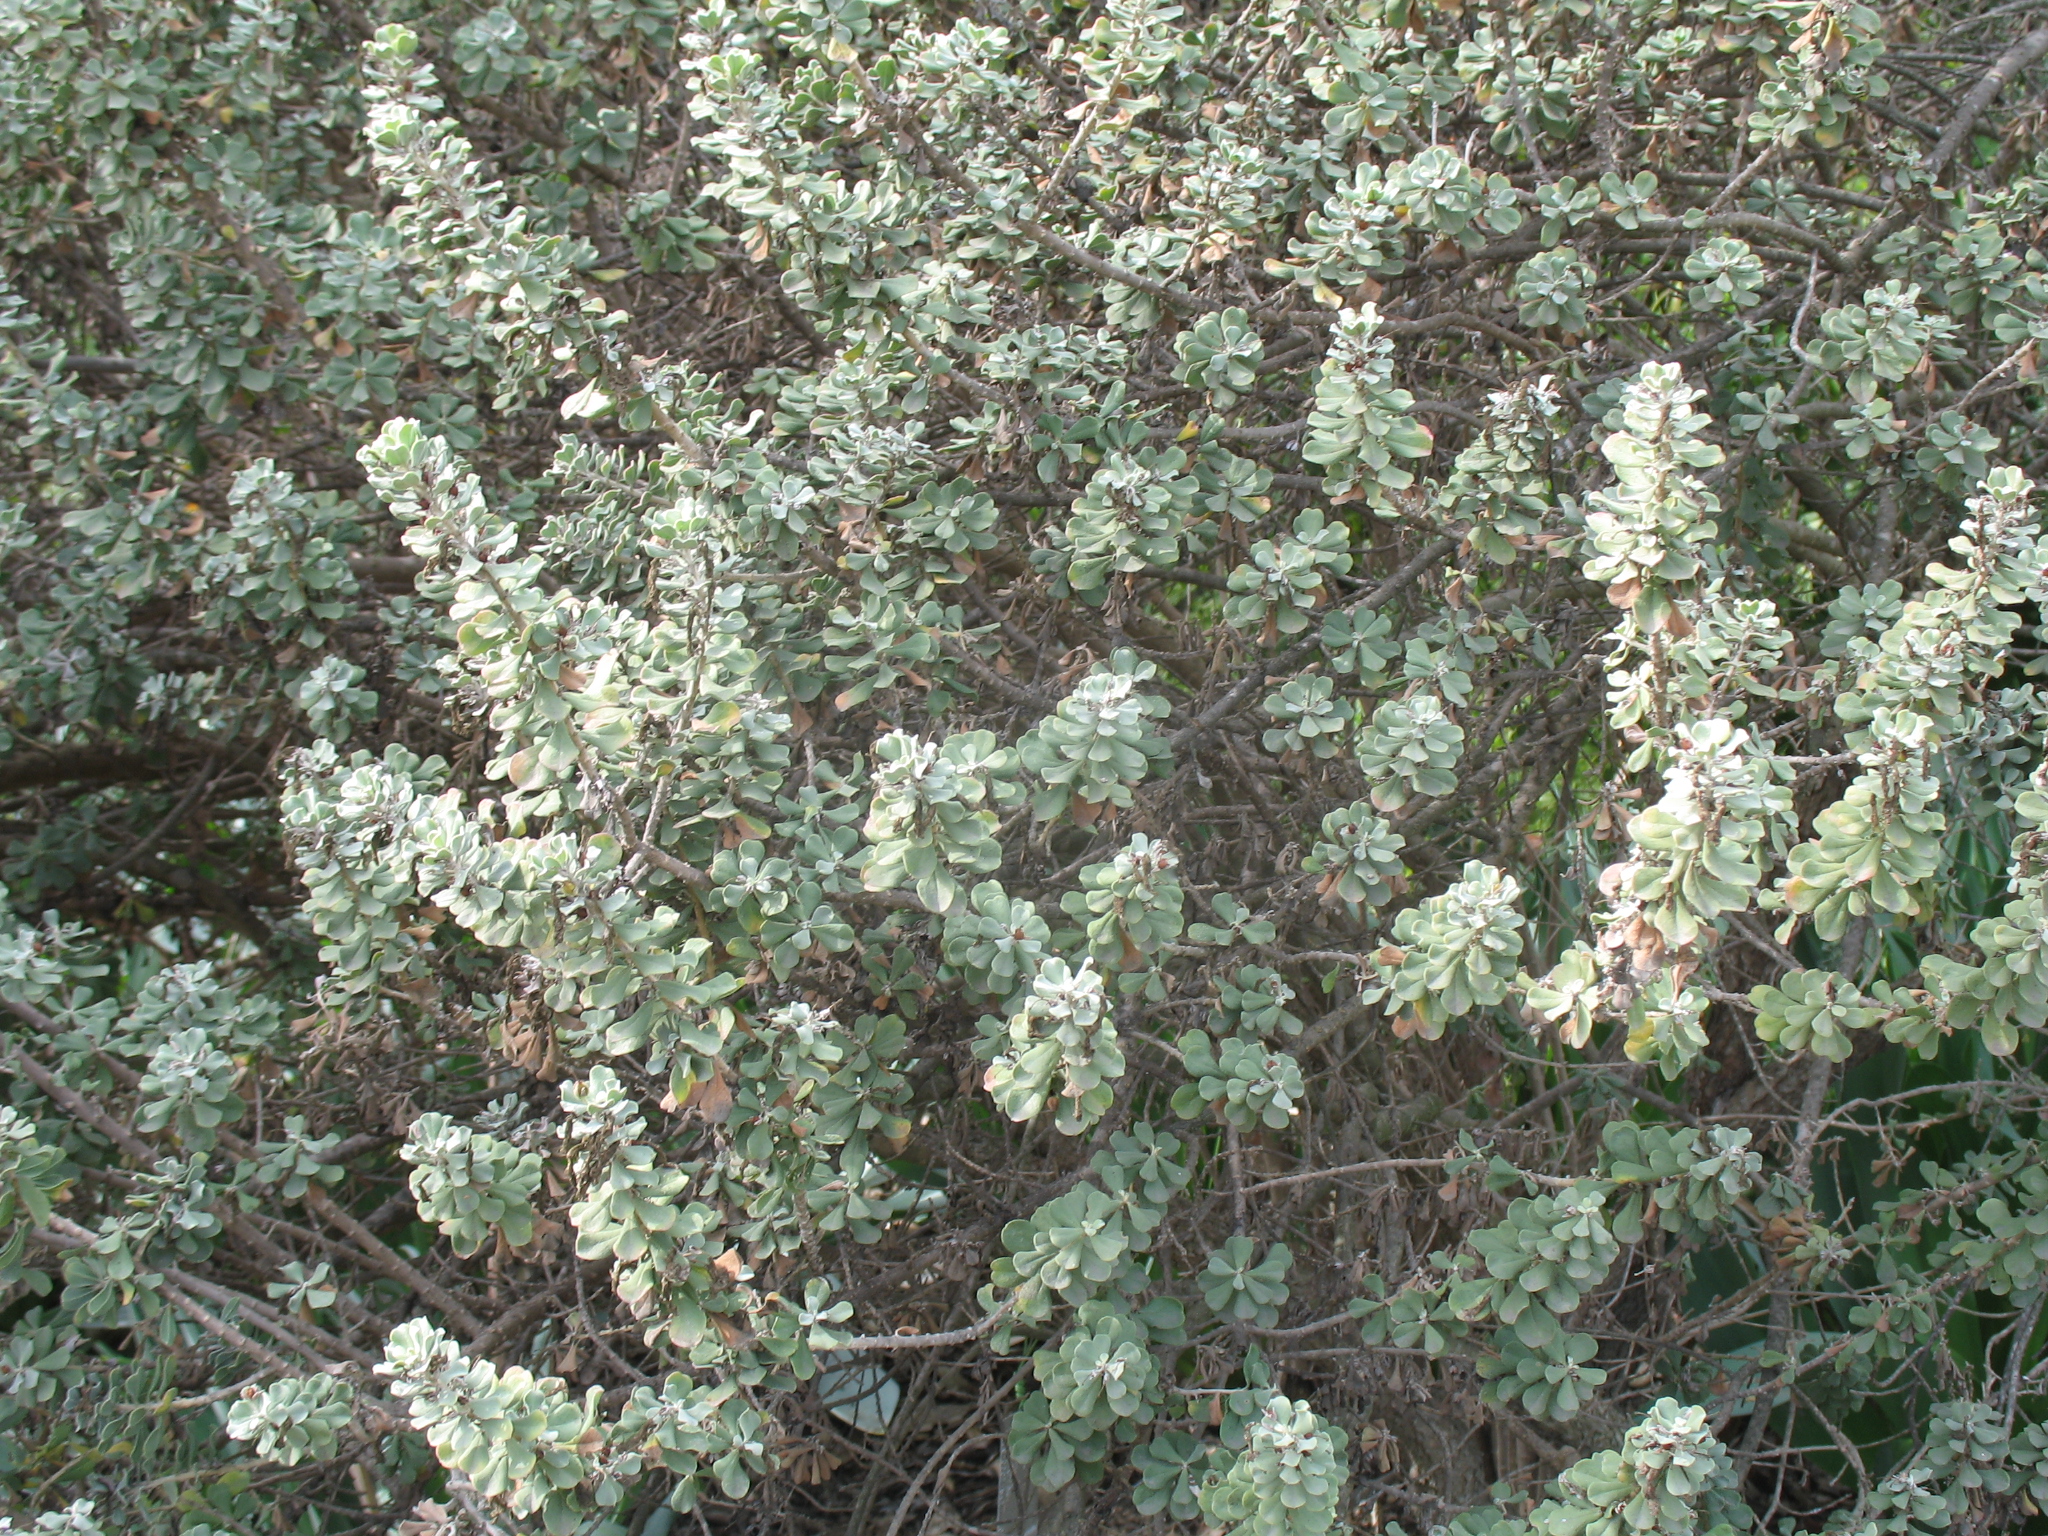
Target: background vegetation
[[859, 768]]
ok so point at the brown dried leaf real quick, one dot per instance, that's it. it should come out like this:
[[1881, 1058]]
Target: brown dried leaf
[[429, 1519], [809, 1463], [403, 1113], [712, 1098]]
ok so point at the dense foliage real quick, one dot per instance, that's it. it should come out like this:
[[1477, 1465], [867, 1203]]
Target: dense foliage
[[865, 767]]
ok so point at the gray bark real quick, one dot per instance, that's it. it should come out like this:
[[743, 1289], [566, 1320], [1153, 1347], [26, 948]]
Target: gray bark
[[1025, 1509]]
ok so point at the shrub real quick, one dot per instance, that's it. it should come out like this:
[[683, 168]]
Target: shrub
[[877, 766]]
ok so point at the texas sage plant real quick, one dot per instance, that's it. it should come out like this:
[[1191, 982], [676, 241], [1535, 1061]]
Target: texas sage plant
[[836, 766]]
